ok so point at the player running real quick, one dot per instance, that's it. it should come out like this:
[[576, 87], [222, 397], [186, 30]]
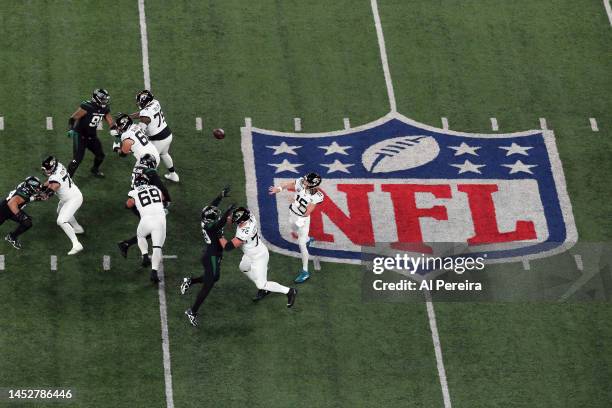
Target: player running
[[12, 208], [255, 256], [156, 128], [307, 196], [70, 199], [212, 223], [83, 125], [132, 139], [147, 167], [148, 201]]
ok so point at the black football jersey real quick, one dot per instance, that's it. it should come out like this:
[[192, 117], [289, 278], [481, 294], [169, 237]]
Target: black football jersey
[[23, 191], [88, 124]]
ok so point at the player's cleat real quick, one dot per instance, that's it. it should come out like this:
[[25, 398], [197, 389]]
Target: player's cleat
[[146, 261], [261, 293], [123, 248], [154, 278], [310, 241], [193, 318], [13, 241], [185, 285], [172, 177], [291, 295], [302, 277], [76, 249], [97, 173], [78, 229]]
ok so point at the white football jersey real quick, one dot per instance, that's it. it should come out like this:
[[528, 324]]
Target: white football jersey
[[67, 189], [148, 201], [303, 198], [158, 121], [141, 145], [248, 233]]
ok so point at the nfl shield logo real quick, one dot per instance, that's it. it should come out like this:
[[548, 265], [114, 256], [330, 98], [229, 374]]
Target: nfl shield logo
[[398, 181]]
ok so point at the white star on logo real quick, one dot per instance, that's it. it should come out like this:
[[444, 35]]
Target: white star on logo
[[464, 148], [337, 165], [335, 148], [285, 165], [468, 166], [519, 166], [516, 149], [284, 148]]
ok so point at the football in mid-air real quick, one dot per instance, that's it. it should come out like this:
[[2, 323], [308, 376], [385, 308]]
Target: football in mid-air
[[219, 133]]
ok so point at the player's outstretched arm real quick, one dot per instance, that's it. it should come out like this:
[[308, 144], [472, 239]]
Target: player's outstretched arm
[[287, 185]]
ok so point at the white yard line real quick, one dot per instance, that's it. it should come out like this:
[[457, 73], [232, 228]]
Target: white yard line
[[543, 124], [608, 10], [430, 308], [297, 124], [163, 310], [106, 262], [433, 325], [49, 123], [170, 256], [317, 263], [383, 56], [198, 123], [1, 122], [526, 265], [53, 263], [347, 123], [579, 264], [1, 262], [494, 125], [445, 123], [594, 126], [248, 123]]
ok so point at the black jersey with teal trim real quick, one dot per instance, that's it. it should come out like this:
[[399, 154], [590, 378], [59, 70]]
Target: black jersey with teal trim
[[88, 124]]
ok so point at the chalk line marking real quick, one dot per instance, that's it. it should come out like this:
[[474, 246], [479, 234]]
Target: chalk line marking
[[383, 56], [49, 123], [248, 123], [608, 10], [526, 265], [435, 336], [579, 263], [297, 124], [1, 262], [347, 123], [163, 310], [1, 122], [594, 126], [198, 123], [445, 123], [317, 263], [494, 125], [53, 263], [543, 124], [106, 262], [170, 256]]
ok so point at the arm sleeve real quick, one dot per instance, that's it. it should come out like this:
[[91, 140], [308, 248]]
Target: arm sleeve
[[216, 201]]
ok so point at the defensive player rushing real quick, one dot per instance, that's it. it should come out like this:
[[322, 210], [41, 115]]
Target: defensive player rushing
[[83, 125], [212, 223], [70, 199], [132, 139], [12, 207], [254, 261], [307, 196], [148, 201], [147, 167], [154, 123]]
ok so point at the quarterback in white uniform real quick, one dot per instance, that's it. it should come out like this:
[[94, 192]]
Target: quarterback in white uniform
[[255, 256], [158, 131], [70, 199], [133, 140], [307, 196], [148, 200]]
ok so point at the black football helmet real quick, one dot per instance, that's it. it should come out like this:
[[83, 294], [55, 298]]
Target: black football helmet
[[240, 214], [123, 122], [148, 161], [210, 213], [312, 180], [32, 184], [141, 180], [143, 98], [49, 165], [101, 97]]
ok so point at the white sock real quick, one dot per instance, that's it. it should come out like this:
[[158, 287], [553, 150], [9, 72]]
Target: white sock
[[70, 232], [275, 287], [167, 161], [304, 253], [156, 258]]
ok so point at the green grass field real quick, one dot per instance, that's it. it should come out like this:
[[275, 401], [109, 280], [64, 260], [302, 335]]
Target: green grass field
[[98, 332]]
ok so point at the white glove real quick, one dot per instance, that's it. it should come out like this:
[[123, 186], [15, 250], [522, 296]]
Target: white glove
[[116, 146], [114, 132]]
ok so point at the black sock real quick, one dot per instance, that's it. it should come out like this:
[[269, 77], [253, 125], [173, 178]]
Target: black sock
[[131, 241], [199, 279], [171, 169], [208, 283], [96, 164]]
